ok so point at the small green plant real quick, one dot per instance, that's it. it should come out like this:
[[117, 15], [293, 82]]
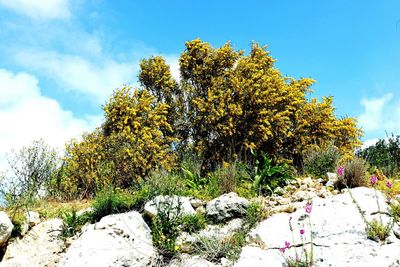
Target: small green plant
[[306, 258], [267, 176], [73, 222], [111, 202], [255, 213], [376, 230], [193, 223], [165, 228], [395, 211], [319, 161]]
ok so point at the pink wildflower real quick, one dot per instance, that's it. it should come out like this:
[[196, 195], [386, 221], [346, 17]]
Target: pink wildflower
[[308, 207], [287, 244], [302, 231], [373, 180], [340, 170], [389, 184], [282, 250]]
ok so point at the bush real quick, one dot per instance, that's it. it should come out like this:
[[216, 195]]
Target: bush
[[319, 161], [111, 202], [130, 144], [33, 168], [355, 174]]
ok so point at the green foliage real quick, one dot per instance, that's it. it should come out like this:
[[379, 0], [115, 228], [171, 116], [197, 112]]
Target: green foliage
[[33, 168], [165, 228], [395, 211], [377, 231], [193, 223], [228, 103], [130, 144], [17, 219], [355, 173], [384, 154], [267, 176], [111, 202], [73, 223], [319, 161], [255, 213]]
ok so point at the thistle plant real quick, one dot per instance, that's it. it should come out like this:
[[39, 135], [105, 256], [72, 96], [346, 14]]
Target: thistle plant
[[306, 258]]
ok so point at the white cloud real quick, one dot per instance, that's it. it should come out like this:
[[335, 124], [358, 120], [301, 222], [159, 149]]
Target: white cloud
[[378, 113], [369, 142], [27, 115], [39, 9], [173, 62], [94, 77]]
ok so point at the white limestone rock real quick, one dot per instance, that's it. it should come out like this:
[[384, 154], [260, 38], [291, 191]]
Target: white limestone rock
[[226, 207], [41, 246], [178, 204], [117, 240], [6, 228]]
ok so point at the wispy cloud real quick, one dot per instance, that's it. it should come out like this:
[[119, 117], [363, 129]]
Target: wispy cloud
[[27, 115], [92, 77], [381, 115], [42, 10]]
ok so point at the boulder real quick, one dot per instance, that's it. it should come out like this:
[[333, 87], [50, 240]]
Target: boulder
[[196, 203], [332, 179], [181, 205], [226, 207], [32, 218], [186, 260], [6, 228], [41, 246], [337, 229], [117, 240]]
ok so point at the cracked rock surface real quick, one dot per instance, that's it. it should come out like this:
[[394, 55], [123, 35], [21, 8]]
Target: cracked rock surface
[[338, 234]]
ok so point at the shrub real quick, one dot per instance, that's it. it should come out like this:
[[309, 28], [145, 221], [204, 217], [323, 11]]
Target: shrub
[[319, 161], [33, 168], [130, 144], [354, 175], [111, 202]]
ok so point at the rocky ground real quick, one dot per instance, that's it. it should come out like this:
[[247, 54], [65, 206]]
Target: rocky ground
[[333, 225]]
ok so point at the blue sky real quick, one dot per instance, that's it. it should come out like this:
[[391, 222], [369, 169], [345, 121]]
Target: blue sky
[[61, 59]]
